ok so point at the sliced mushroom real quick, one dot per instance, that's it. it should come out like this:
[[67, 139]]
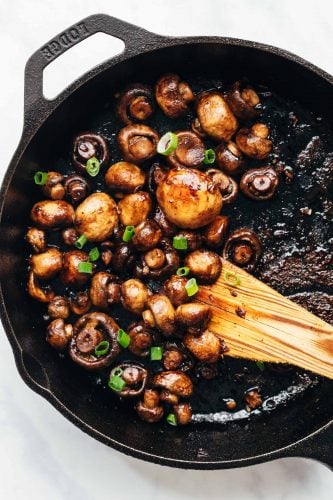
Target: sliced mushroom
[[254, 142], [149, 409], [134, 208], [134, 295], [58, 334], [36, 238], [59, 307], [206, 347], [53, 188], [194, 317], [229, 158], [52, 214], [105, 290], [183, 413], [243, 102], [174, 381], [134, 375], [173, 95], [135, 103], [77, 187], [124, 176], [175, 289], [137, 143], [163, 312], [147, 235], [215, 233], [215, 116], [80, 303], [259, 183], [142, 338], [158, 263], [204, 265], [44, 294], [47, 265], [227, 185], [243, 248], [70, 274], [96, 217], [88, 145], [190, 151]]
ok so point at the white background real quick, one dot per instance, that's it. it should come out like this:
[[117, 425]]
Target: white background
[[42, 456]]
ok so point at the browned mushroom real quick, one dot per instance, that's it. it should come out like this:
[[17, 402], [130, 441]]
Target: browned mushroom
[[147, 235], [58, 334], [229, 158], [106, 252], [204, 265], [44, 294], [134, 295], [36, 238], [163, 312], [89, 331], [254, 142], [46, 265], [123, 258], [190, 151], [174, 381], [243, 102], [168, 229], [52, 214], [183, 413], [158, 263], [215, 233], [124, 176], [135, 103], [149, 409], [194, 317], [80, 303], [137, 143], [70, 274], [134, 208], [259, 183], [172, 358], [227, 185], [77, 187], [104, 290], [59, 307], [243, 248], [175, 289], [215, 116], [88, 145], [133, 375], [142, 338], [167, 397], [173, 95], [206, 347], [69, 236], [196, 127], [252, 398], [96, 217], [53, 188], [189, 198], [193, 239]]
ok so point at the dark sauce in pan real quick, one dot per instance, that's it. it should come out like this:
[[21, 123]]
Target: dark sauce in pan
[[297, 234]]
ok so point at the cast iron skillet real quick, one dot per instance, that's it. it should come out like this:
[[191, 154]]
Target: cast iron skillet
[[304, 429]]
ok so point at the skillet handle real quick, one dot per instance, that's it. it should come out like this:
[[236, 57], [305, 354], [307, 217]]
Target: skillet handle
[[35, 104], [319, 447]]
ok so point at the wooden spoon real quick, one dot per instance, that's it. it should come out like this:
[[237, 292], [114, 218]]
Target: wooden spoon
[[258, 323]]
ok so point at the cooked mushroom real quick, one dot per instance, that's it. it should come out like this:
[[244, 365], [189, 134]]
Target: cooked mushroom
[[58, 334], [69, 236], [80, 303], [36, 238], [167, 397], [243, 248], [96, 217], [189, 198], [168, 229], [124, 176], [135, 103], [70, 274], [149, 409], [89, 331], [134, 295], [88, 145], [155, 175], [134, 208], [135, 377], [142, 338], [190, 151], [104, 290], [163, 312], [204, 265], [137, 143], [172, 358], [194, 317], [215, 233], [46, 265], [52, 214], [254, 142], [147, 235], [158, 263], [215, 116], [77, 187], [44, 294], [58, 307], [227, 185], [174, 381], [175, 289], [252, 398], [206, 347], [193, 239], [106, 252], [173, 95], [196, 127], [259, 183], [148, 318], [123, 258], [183, 413], [53, 188], [229, 158], [243, 102]]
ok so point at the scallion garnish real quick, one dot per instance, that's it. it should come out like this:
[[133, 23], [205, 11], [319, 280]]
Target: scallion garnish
[[93, 166], [117, 371], [260, 365], [231, 278], [179, 242], [102, 348], [94, 254], [116, 383], [156, 353], [209, 156], [123, 338], [80, 242], [171, 419], [40, 178], [128, 233], [183, 271], [167, 143], [191, 287], [85, 267]]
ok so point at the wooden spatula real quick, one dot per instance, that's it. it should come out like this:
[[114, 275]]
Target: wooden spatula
[[258, 323]]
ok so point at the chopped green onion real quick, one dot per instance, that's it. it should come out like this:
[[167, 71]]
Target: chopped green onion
[[80, 242], [231, 278], [183, 271], [116, 383], [260, 365], [123, 338], [93, 166], [40, 178], [94, 254], [156, 353], [102, 348], [191, 287], [85, 267], [179, 242], [209, 156], [167, 143], [171, 419], [128, 233], [117, 371]]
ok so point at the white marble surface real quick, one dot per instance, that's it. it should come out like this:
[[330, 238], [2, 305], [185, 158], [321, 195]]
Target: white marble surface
[[42, 456]]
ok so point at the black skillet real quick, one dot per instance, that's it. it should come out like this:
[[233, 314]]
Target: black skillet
[[302, 427]]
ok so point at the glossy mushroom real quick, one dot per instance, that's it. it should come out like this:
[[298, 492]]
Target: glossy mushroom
[[58, 307], [134, 295], [183, 413], [149, 409], [190, 151], [104, 290], [204, 265], [227, 185], [173, 95], [36, 238], [147, 236], [243, 102], [96, 217], [155, 175], [135, 377], [215, 233], [229, 158], [52, 214], [168, 228], [123, 258], [70, 274], [134, 208], [80, 303], [193, 239], [89, 145], [254, 142], [44, 294], [215, 116], [194, 317], [46, 265], [175, 290], [172, 358], [259, 183], [135, 103], [142, 338], [54, 188], [69, 236], [205, 347], [58, 334], [158, 263], [125, 177], [137, 143], [163, 312], [252, 398], [174, 381], [77, 187], [243, 248]]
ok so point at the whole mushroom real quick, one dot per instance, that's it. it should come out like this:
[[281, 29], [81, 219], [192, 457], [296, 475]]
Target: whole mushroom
[[243, 102], [134, 208], [149, 409], [134, 295], [194, 317], [163, 312], [135, 103], [243, 248], [88, 145], [36, 238], [190, 151], [96, 217], [59, 307], [124, 176], [204, 265], [70, 274], [229, 158], [174, 381], [142, 338], [158, 263], [46, 265], [58, 334], [79, 303], [137, 143], [53, 188], [133, 375], [147, 236], [52, 214], [105, 290], [205, 347], [77, 187], [254, 142], [215, 116], [175, 290], [227, 185], [215, 233], [259, 183], [173, 95]]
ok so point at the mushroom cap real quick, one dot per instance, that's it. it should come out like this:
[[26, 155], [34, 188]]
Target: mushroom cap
[[134, 208], [172, 95], [47, 264], [52, 214], [96, 217], [176, 382], [204, 265], [190, 151], [206, 347], [259, 183], [215, 116], [124, 176]]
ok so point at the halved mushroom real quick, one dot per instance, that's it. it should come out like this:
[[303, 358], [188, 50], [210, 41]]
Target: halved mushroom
[[175, 289], [204, 265], [124, 176], [243, 101], [46, 265], [227, 185], [190, 151], [215, 116], [137, 143], [163, 312], [44, 294], [52, 214], [80, 303], [183, 413], [89, 331], [135, 377], [259, 183], [174, 381], [36, 238], [142, 338], [206, 347], [134, 295], [229, 158], [96, 217], [59, 307], [54, 188], [147, 235], [58, 334], [194, 317], [77, 187], [254, 142], [89, 145], [149, 409], [216, 232], [135, 103], [134, 208], [173, 95], [70, 274], [158, 263], [104, 290], [243, 248]]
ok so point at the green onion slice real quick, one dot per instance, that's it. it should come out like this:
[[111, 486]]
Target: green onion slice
[[128, 233], [94, 254], [40, 178], [183, 271], [93, 166], [117, 371], [116, 383], [123, 338], [209, 156], [191, 287], [102, 348], [167, 143], [80, 242], [260, 365], [179, 242], [156, 353], [85, 267], [231, 278], [171, 419]]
